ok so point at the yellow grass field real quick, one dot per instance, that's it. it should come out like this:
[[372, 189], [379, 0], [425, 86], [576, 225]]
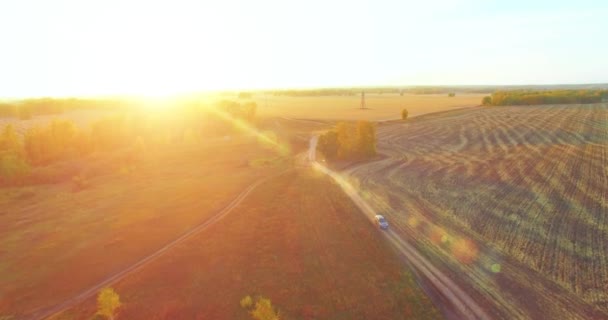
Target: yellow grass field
[[380, 107]]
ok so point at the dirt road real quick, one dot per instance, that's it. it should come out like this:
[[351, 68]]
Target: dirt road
[[464, 307]]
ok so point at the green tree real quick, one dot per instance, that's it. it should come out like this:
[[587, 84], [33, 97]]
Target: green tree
[[107, 303], [404, 114]]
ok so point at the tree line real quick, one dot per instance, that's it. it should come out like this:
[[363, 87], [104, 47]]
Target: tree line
[[28, 108], [523, 97], [349, 141], [62, 140]]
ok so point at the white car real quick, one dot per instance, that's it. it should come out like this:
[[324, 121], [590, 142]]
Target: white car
[[381, 222]]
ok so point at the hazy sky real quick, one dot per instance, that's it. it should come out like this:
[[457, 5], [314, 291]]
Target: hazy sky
[[73, 47]]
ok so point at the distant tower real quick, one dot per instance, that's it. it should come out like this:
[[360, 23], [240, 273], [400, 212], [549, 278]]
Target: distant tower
[[362, 99]]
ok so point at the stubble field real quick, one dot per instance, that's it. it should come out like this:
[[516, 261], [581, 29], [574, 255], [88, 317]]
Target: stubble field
[[512, 200]]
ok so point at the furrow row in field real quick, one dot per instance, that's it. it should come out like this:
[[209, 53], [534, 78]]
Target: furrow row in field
[[530, 182]]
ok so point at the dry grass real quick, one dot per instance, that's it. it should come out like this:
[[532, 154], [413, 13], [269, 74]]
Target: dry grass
[[296, 240], [512, 200], [55, 243], [380, 107], [81, 118]]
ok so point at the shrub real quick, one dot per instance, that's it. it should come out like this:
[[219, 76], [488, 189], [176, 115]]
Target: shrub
[[13, 169], [107, 303], [404, 114], [486, 101], [246, 302], [264, 310], [451, 94], [10, 142], [46, 144]]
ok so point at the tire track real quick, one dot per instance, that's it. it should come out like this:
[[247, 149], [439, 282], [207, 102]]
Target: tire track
[[88, 293]]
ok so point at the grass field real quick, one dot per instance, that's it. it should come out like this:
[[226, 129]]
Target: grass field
[[511, 200], [55, 243], [298, 230], [299, 241], [81, 118], [379, 107]]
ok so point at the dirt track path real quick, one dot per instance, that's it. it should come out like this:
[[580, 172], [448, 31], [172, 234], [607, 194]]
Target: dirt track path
[[464, 306], [57, 309]]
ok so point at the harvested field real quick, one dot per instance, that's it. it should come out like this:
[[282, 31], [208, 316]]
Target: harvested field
[[512, 200]]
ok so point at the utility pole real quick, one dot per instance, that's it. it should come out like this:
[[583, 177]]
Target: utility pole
[[362, 100]]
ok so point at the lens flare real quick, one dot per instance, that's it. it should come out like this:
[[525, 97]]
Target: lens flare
[[465, 250], [268, 138]]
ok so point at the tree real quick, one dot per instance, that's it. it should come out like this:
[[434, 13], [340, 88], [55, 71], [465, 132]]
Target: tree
[[45, 144], [12, 168], [366, 138], [107, 303], [486, 101], [328, 144], [10, 142], [347, 140], [264, 310], [404, 114], [451, 94]]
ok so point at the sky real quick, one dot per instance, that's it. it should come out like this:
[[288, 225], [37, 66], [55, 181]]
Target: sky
[[113, 47]]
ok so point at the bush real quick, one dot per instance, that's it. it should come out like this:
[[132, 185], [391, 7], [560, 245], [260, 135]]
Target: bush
[[107, 303], [46, 144], [13, 169], [264, 310], [10, 142], [486, 101], [246, 302], [404, 114], [451, 94]]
